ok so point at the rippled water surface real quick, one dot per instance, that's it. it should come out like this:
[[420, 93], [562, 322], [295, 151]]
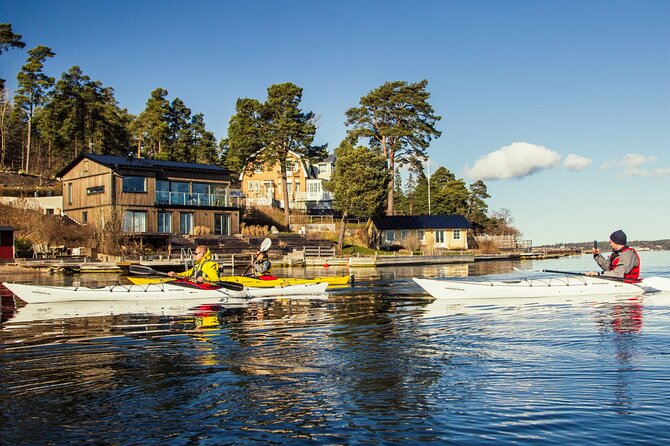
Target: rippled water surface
[[377, 363]]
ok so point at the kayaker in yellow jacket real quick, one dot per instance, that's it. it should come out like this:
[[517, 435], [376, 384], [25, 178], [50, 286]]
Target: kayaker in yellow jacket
[[203, 269]]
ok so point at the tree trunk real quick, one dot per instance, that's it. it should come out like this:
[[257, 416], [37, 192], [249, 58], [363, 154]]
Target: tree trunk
[[390, 207], [30, 127], [287, 213], [343, 228]]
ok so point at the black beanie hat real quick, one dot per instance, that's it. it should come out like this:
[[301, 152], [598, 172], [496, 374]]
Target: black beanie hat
[[618, 237]]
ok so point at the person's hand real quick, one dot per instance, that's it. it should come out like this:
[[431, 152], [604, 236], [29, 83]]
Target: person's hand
[[595, 251], [200, 279], [591, 273], [171, 274]]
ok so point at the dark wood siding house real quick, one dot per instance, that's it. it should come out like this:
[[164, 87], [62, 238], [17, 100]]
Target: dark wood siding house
[[433, 231], [6, 243], [150, 196]]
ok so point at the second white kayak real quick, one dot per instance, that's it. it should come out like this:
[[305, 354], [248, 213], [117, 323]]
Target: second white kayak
[[541, 287]]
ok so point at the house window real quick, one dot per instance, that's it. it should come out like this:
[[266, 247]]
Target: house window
[[389, 235], [84, 217], [222, 224], [69, 193], [134, 184], [313, 187], [403, 234], [135, 221], [258, 168], [439, 236], [185, 223], [292, 166], [457, 234], [165, 222], [419, 234], [201, 194], [95, 190]]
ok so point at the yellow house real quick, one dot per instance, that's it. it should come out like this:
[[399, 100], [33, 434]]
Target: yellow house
[[440, 231], [304, 181]]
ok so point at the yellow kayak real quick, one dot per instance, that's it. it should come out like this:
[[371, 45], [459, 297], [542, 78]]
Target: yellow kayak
[[256, 282]]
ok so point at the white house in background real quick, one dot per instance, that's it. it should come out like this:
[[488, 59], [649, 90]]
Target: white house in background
[[261, 185], [47, 205]]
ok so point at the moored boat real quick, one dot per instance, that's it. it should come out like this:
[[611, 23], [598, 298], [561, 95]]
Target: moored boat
[[256, 282], [536, 287], [158, 291]]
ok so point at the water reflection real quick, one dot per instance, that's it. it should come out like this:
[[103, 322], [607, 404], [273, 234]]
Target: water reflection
[[377, 363]]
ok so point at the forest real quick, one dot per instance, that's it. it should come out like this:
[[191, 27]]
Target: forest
[[51, 119]]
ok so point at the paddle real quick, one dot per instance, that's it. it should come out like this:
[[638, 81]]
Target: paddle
[[618, 279], [144, 270], [657, 283], [265, 246]]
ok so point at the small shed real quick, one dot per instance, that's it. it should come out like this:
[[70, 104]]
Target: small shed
[[6, 243]]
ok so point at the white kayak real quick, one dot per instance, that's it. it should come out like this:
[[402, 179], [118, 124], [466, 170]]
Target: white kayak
[[159, 291], [539, 287], [191, 307]]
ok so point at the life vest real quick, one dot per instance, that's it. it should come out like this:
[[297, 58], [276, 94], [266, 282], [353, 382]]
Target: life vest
[[631, 276]]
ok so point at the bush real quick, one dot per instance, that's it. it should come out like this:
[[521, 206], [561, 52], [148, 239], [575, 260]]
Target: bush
[[488, 247]]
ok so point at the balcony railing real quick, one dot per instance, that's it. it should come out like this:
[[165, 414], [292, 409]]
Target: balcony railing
[[195, 200], [312, 196]]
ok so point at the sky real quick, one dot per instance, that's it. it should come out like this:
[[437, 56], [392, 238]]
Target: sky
[[561, 107]]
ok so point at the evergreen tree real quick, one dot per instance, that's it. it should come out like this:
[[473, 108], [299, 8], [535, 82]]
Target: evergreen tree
[[364, 196], [82, 116], [396, 118], [244, 134], [265, 133], [8, 39], [151, 127], [33, 92], [477, 207]]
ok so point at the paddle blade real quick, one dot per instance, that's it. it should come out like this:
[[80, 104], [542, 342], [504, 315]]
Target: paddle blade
[[233, 286], [142, 270], [657, 283], [265, 245]]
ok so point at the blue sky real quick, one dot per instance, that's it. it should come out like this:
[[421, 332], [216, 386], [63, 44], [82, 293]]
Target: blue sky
[[562, 107]]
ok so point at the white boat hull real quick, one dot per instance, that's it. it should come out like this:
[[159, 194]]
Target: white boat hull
[[524, 288], [85, 309], [151, 292]]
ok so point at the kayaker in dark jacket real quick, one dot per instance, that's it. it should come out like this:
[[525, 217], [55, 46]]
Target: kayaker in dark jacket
[[203, 269], [262, 263], [624, 261]]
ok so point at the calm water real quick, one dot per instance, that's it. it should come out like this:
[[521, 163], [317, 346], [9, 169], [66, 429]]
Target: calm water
[[378, 363]]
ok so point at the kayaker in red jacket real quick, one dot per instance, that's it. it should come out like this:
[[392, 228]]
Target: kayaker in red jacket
[[624, 261]]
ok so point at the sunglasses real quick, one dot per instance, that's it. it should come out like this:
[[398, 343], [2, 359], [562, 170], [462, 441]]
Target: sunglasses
[[199, 253]]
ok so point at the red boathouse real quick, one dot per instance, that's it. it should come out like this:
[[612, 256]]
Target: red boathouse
[[6, 243]]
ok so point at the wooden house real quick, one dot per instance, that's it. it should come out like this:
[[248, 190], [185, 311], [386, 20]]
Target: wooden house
[[150, 196], [433, 231], [261, 185]]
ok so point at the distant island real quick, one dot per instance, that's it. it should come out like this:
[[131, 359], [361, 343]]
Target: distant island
[[642, 245]]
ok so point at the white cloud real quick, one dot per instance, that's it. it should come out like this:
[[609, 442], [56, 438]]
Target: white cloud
[[517, 160], [629, 161], [631, 165], [661, 172], [576, 162]]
